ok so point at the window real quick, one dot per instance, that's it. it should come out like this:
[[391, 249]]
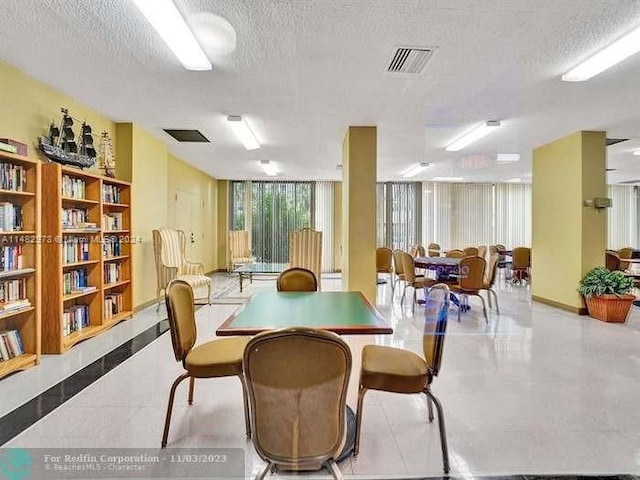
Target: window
[[399, 214]]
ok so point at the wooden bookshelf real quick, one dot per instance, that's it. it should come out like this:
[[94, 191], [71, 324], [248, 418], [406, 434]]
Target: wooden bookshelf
[[74, 261], [25, 239]]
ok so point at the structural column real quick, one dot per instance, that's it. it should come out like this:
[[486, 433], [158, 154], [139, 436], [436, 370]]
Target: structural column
[[569, 233], [359, 164]]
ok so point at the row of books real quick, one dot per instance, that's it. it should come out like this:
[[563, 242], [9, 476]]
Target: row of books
[[10, 217], [75, 318], [10, 258], [13, 177], [111, 247], [10, 345], [76, 281], [12, 290], [111, 272], [111, 194], [75, 250], [77, 218], [112, 221], [73, 187], [113, 304]]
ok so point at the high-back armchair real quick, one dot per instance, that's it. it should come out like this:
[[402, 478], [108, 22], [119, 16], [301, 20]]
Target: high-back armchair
[[169, 251], [239, 248], [305, 251]]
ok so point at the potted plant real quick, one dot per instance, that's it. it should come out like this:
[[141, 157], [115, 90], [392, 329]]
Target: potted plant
[[607, 294]]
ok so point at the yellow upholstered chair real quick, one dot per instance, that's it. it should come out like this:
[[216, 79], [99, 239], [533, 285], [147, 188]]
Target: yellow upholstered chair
[[398, 267], [239, 248], [471, 281], [482, 251], [521, 263], [612, 260], [217, 358], [471, 252], [305, 251], [297, 280], [297, 384], [625, 254], [384, 262], [410, 277], [169, 251], [401, 371], [433, 250], [454, 254], [490, 279], [417, 251]]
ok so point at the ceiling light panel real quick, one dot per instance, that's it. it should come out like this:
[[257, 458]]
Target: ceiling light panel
[[169, 24], [473, 135], [268, 168], [507, 157], [415, 169], [243, 132]]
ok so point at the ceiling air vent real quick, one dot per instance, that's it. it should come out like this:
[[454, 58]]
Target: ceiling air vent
[[613, 141], [187, 135], [409, 59]]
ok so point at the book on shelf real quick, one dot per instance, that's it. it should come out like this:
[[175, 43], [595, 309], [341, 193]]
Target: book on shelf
[[112, 221], [74, 319], [11, 258], [111, 247], [75, 249], [112, 272], [14, 305], [11, 345], [13, 290], [75, 281], [111, 194], [12, 177], [73, 187], [113, 304], [77, 218], [10, 217], [5, 147]]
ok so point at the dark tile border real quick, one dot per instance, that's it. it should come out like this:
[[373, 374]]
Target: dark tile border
[[15, 422]]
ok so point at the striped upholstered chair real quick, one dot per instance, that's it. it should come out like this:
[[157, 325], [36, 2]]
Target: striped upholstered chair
[[239, 248], [305, 251], [169, 247]]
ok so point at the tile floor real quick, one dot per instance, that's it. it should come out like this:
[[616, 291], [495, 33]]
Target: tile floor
[[537, 391]]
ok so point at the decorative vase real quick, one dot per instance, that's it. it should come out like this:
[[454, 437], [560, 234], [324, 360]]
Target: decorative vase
[[610, 307]]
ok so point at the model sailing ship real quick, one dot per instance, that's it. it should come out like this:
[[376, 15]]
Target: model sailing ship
[[107, 161], [62, 146]]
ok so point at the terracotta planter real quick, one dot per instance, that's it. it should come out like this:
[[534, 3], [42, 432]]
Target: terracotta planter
[[610, 308]]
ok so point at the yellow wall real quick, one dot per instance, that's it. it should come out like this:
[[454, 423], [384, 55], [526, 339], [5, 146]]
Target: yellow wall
[[359, 162], [337, 226], [568, 238], [223, 224], [201, 189], [27, 107]]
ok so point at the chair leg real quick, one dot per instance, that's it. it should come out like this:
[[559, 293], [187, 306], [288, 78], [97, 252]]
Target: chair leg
[[484, 308], [459, 307], [192, 384], [404, 291], [245, 399], [265, 470], [495, 297], [443, 433], [172, 395], [430, 408], [489, 300], [413, 304], [356, 446], [332, 466]]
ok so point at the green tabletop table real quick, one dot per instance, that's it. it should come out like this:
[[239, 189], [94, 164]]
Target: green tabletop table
[[344, 313]]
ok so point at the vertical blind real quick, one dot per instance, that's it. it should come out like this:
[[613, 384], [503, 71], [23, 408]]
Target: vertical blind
[[399, 214], [622, 217], [324, 221], [471, 214], [513, 214]]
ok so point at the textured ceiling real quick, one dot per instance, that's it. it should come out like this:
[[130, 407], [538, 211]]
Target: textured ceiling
[[304, 70]]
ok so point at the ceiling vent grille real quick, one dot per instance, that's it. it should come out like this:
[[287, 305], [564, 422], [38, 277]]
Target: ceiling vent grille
[[409, 60], [613, 141], [187, 135]]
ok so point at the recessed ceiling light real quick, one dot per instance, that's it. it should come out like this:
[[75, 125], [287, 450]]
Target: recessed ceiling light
[[243, 132], [507, 157], [269, 168], [448, 179], [514, 180], [415, 169], [637, 153], [165, 18], [606, 58], [473, 135]]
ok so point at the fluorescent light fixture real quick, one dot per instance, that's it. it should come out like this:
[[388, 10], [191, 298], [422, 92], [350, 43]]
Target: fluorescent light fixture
[[269, 168], [448, 179], [167, 21], [637, 153], [473, 135], [606, 58], [243, 132], [415, 169], [507, 157], [514, 180], [339, 166]]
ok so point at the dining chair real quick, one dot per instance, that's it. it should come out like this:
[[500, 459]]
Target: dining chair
[[612, 260], [521, 263], [171, 263], [297, 384], [297, 280], [411, 279], [482, 251], [213, 359], [471, 252], [384, 263], [433, 250], [397, 370], [490, 280], [471, 281], [455, 254], [398, 266], [625, 254], [417, 251]]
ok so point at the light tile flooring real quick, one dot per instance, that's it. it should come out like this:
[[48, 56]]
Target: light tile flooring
[[536, 391]]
